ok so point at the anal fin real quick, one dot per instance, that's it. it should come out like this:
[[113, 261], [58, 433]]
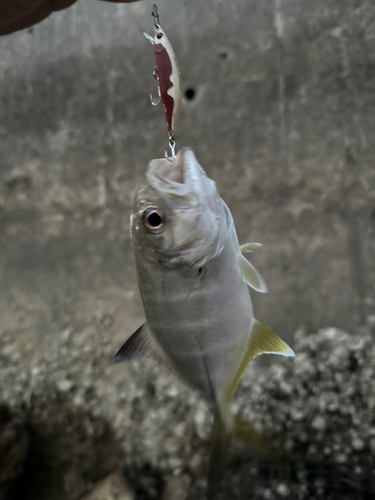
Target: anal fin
[[262, 341]]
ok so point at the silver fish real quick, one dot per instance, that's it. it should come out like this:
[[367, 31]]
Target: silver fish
[[194, 280]]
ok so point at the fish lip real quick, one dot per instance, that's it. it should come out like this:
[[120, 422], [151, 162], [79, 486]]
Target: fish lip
[[190, 166]]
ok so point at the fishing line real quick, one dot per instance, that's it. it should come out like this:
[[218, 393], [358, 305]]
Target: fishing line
[[102, 62]]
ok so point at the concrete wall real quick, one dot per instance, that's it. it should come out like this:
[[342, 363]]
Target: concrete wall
[[282, 118]]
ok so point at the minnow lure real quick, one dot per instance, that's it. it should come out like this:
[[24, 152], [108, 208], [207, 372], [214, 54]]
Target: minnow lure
[[168, 75]]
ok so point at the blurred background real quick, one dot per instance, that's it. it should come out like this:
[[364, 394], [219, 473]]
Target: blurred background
[[279, 108]]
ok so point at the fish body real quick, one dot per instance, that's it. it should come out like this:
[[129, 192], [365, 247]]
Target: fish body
[[194, 282], [202, 322]]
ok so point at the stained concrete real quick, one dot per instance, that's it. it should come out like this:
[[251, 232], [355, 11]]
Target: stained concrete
[[282, 118]]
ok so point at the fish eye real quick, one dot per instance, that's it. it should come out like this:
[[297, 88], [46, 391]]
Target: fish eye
[[159, 35], [153, 219]]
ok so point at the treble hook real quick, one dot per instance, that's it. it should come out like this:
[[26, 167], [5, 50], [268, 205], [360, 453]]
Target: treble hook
[[155, 15], [155, 102]]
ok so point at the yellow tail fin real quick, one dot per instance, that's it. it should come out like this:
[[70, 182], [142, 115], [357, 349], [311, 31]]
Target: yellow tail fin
[[245, 432], [219, 444]]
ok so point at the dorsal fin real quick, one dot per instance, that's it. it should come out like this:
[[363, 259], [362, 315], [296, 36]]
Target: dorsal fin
[[249, 247], [262, 341], [251, 276], [143, 343]]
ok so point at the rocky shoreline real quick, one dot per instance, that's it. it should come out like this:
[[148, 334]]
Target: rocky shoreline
[[73, 424]]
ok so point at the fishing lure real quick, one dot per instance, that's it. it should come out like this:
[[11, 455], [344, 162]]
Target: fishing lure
[[168, 75]]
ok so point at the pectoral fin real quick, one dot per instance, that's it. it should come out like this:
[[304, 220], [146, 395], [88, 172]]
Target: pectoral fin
[[252, 277], [262, 341], [249, 247]]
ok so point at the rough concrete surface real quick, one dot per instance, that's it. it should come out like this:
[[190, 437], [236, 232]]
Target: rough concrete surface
[[282, 118], [279, 109]]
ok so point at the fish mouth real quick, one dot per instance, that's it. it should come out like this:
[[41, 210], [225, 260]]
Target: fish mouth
[[177, 172], [177, 177], [200, 219]]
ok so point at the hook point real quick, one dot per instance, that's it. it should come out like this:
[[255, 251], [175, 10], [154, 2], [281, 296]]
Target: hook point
[[155, 102]]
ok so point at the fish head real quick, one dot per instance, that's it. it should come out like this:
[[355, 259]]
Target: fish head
[[178, 216]]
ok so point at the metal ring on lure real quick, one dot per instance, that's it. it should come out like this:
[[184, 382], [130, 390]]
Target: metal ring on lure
[[155, 15], [172, 145]]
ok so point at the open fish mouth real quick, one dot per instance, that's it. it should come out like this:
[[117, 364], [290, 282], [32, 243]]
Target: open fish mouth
[[179, 177], [174, 170], [201, 219]]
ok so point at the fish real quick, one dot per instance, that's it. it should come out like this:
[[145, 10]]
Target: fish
[[194, 283]]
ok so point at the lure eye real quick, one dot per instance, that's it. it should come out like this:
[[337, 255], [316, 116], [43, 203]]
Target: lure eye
[[153, 219], [159, 35]]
